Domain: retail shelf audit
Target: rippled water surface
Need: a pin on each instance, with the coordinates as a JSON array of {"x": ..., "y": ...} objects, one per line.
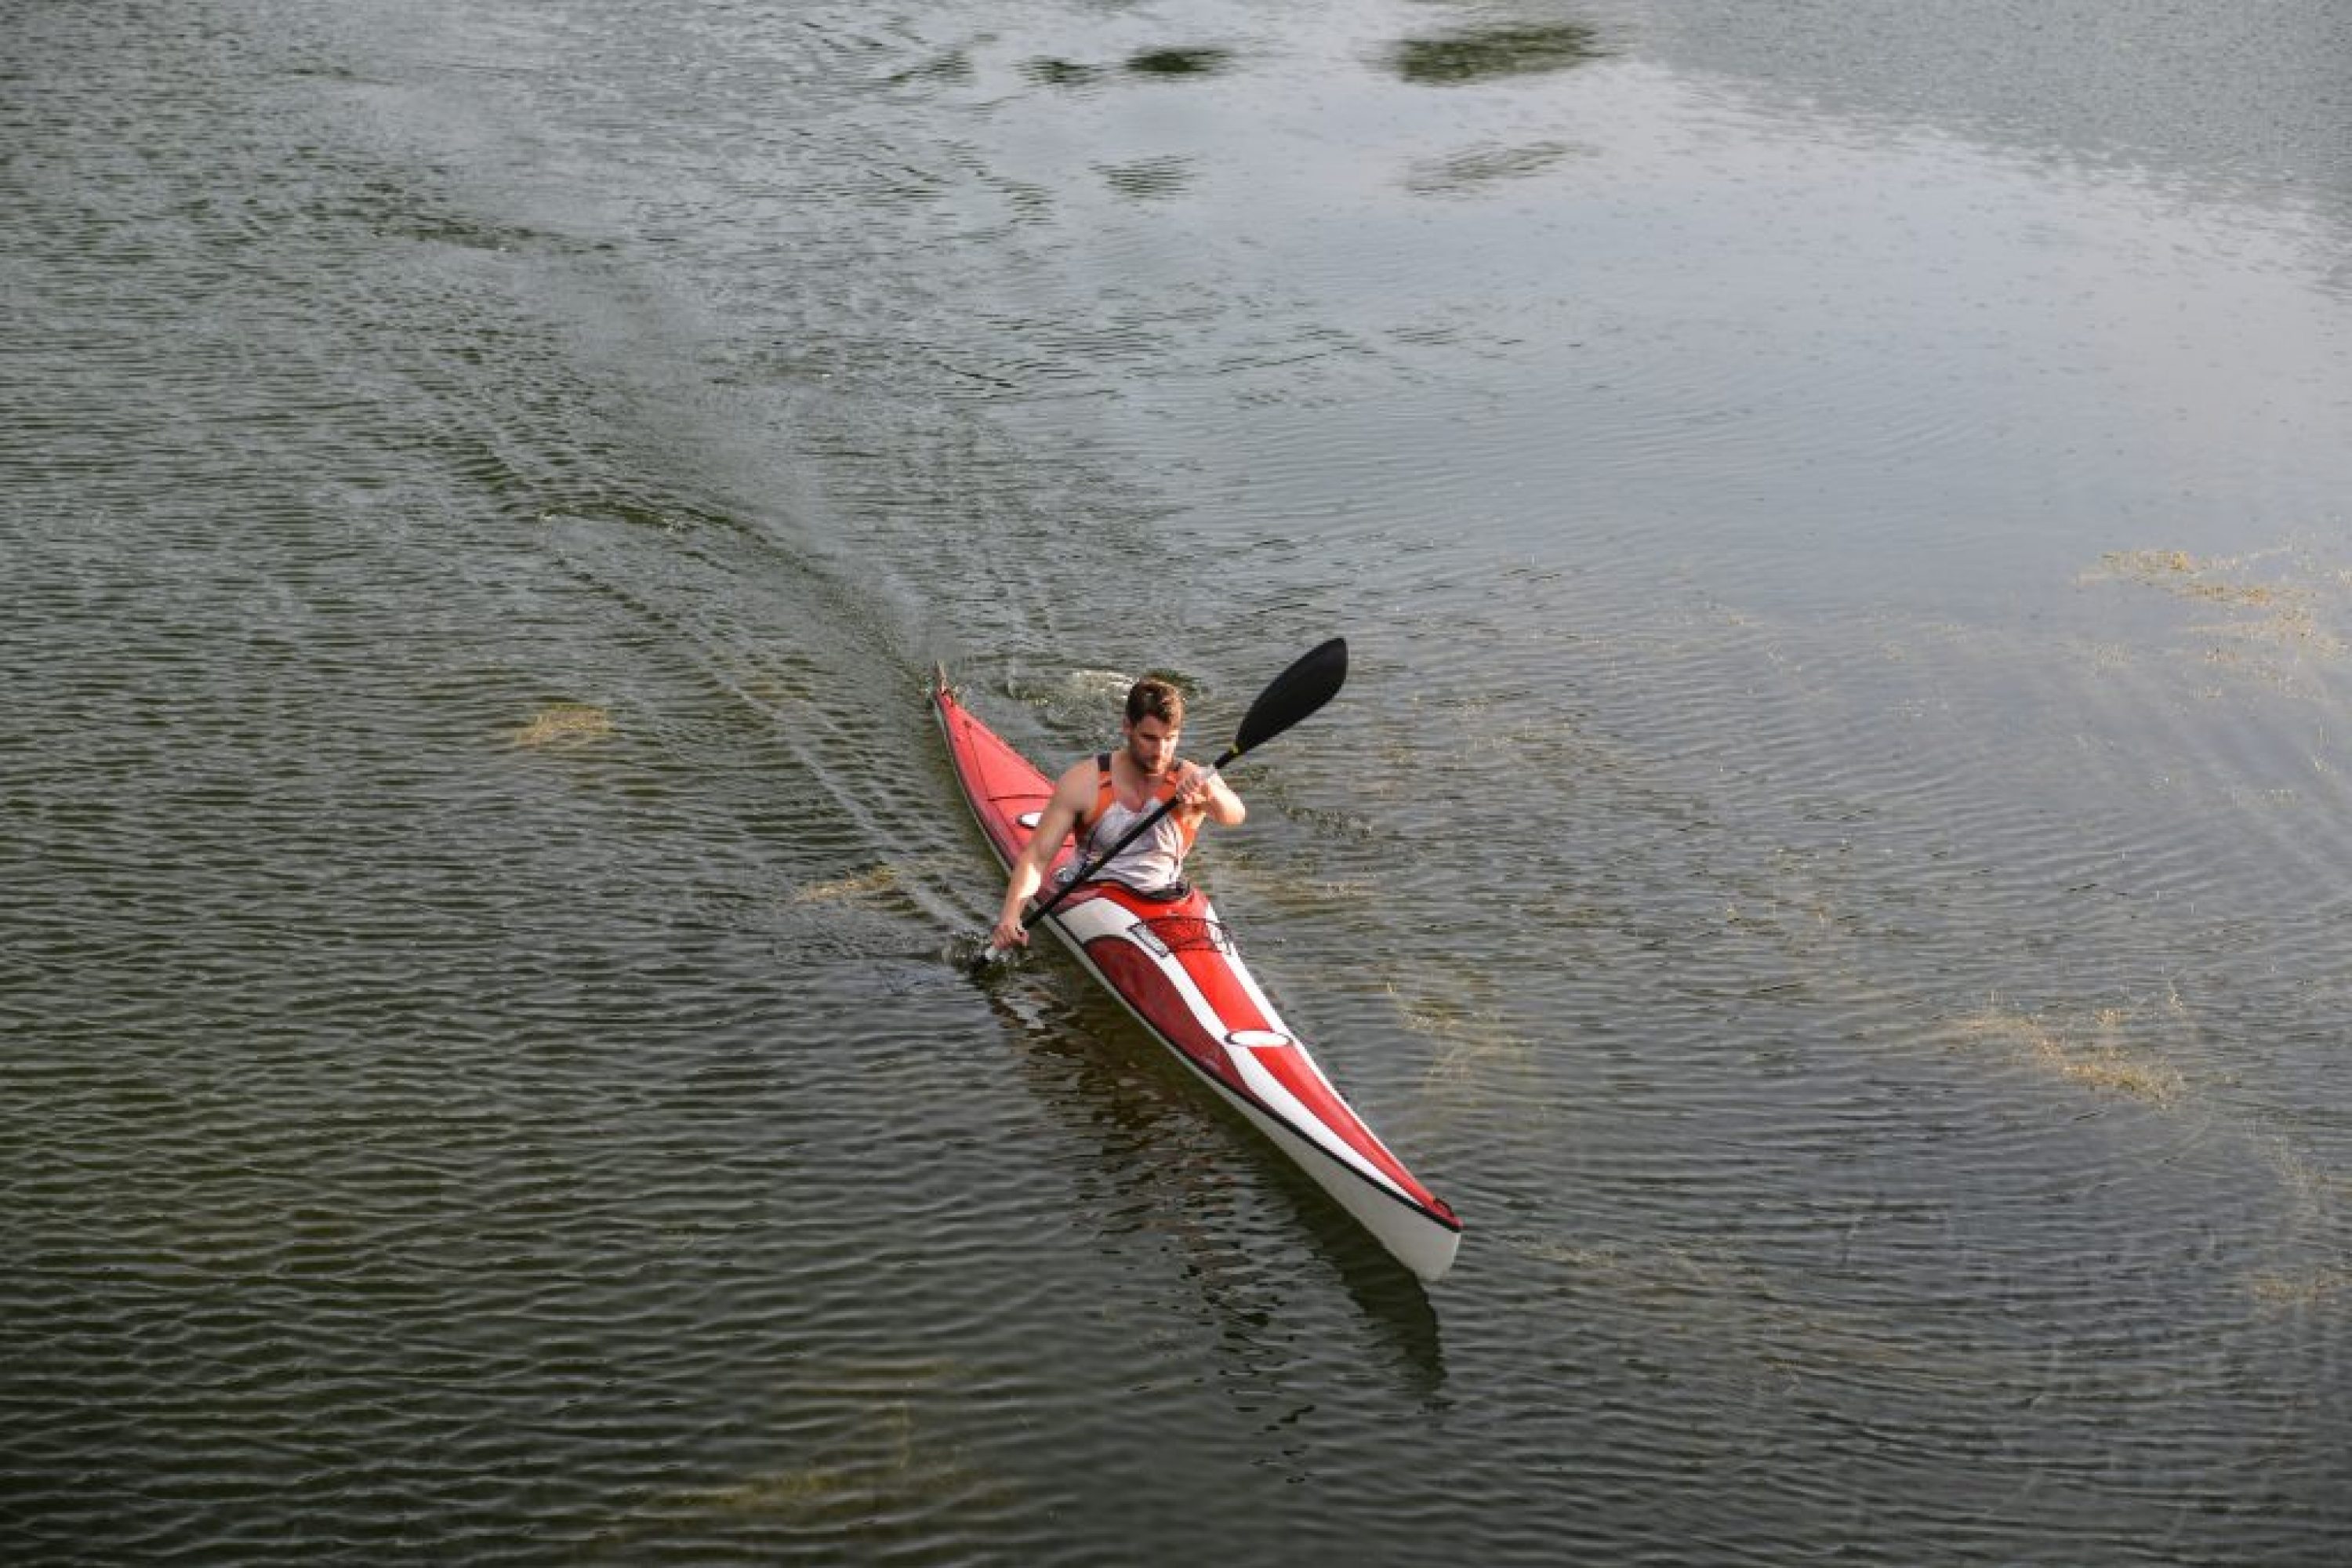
[{"x": 1833, "y": 855}]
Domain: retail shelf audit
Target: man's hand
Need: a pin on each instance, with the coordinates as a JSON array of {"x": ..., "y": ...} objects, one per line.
[{"x": 1195, "y": 787}]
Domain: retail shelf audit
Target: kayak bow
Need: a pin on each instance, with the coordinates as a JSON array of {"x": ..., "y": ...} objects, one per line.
[{"x": 1174, "y": 966}]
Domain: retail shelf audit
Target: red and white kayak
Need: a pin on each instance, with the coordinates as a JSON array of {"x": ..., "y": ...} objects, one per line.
[{"x": 1175, "y": 967}]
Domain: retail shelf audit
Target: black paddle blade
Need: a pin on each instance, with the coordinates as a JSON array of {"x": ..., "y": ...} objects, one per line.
[{"x": 1311, "y": 682}]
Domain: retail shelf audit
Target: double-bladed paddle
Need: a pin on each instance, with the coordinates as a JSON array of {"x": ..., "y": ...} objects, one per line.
[{"x": 1313, "y": 679}]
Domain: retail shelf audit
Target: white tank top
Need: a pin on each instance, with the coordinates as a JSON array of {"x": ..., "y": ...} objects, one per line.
[
  {"x": 1152, "y": 862},
  {"x": 1155, "y": 861}
]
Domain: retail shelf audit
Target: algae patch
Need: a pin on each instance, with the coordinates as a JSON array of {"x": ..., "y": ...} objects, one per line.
[
  {"x": 2098, "y": 1053},
  {"x": 565, "y": 724},
  {"x": 2294, "y": 1292},
  {"x": 1480, "y": 1060},
  {"x": 2270, "y": 621},
  {"x": 879, "y": 879},
  {"x": 870, "y": 1442}
]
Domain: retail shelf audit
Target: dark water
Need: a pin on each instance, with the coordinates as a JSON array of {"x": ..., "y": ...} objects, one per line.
[{"x": 1834, "y": 855}]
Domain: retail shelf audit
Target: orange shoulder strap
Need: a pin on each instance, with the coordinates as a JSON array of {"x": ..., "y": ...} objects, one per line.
[{"x": 1104, "y": 792}]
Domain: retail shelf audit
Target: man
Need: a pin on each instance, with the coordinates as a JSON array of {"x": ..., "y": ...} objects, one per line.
[{"x": 1101, "y": 797}]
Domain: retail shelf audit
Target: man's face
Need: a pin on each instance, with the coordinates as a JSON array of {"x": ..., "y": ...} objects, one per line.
[{"x": 1151, "y": 741}]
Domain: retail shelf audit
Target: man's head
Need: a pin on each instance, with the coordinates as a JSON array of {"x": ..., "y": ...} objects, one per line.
[
  {"x": 1153, "y": 698},
  {"x": 1155, "y": 716}
]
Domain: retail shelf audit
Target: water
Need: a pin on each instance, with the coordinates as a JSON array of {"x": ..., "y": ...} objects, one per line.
[{"x": 1831, "y": 856}]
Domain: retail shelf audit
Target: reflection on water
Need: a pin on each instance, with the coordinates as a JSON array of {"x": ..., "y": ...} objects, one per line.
[
  {"x": 1172, "y": 1169},
  {"x": 1180, "y": 62},
  {"x": 1150, "y": 177},
  {"x": 1061, "y": 73},
  {"x": 1465, "y": 173},
  {"x": 1163, "y": 64},
  {"x": 1485, "y": 54}
]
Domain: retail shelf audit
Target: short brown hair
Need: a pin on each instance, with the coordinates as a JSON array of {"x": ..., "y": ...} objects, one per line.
[{"x": 1156, "y": 699}]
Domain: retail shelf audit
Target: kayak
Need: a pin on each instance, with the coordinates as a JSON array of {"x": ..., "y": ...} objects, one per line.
[{"x": 1174, "y": 966}]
